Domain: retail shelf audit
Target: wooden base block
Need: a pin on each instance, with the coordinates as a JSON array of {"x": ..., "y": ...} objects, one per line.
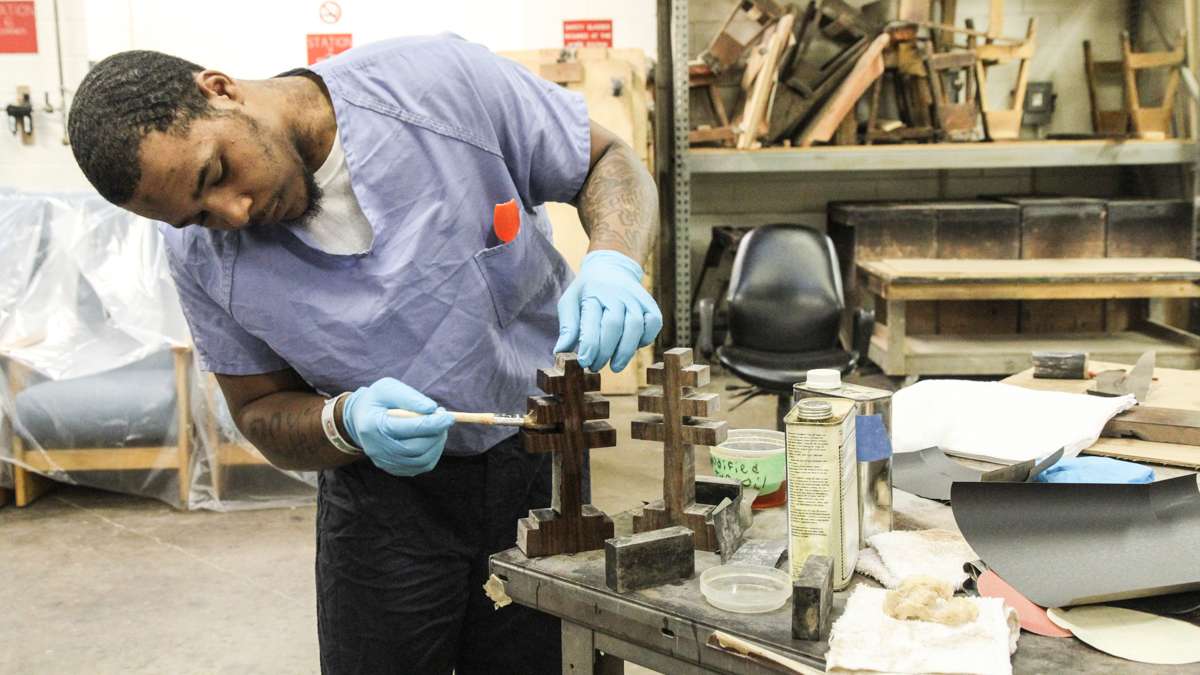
[
  {"x": 712, "y": 524},
  {"x": 812, "y": 599},
  {"x": 545, "y": 532},
  {"x": 649, "y": 559}
]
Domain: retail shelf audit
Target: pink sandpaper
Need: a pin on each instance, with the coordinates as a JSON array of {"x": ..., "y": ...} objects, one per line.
[{"x": 1033, "y": 618}]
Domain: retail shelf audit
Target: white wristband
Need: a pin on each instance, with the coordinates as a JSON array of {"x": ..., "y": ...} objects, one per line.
[{"x": 329, "y": 424}]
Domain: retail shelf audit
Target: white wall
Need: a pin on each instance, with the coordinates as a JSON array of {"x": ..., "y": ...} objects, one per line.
[
  {"x": 48, "y": 163},
  {"x": 259, "y": 39}
]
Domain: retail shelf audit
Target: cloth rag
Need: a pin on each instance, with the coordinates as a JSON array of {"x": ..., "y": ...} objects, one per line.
[
  {"x": 1096, "y": 470},
  {"x": 894, "y": 556},
  {"x": 997, "y": 422},
  {"x": 865, "y": 638}
]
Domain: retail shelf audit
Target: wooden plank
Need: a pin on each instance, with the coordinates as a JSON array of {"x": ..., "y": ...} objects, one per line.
[
  {"x": 1031, "y": 290},
  {"x": 104, "y": 459},
  {"x": 1006, "y": 354},
  {"x": 1087, "y": 270},
  {"x": 1160, "y": 425}
]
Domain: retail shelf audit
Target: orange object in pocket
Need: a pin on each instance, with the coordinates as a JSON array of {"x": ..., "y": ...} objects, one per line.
[{"x": 506, "y": 221}]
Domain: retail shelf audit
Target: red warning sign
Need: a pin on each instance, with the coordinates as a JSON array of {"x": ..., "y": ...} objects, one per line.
[
  {"x": 587, "y": 33},
  {"x": 18, "y": 28},
  {"x": 324, "y": 45}
]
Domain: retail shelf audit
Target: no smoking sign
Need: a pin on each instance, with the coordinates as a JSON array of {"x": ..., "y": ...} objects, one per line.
[{"x": 330, "y": 11}]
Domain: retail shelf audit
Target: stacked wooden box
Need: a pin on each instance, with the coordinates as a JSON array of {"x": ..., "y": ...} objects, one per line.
[{"x": 1012, "y": 227}]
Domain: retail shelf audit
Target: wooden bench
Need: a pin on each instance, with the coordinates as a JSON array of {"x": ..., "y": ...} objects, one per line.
[{"x": 895, "y": 282}]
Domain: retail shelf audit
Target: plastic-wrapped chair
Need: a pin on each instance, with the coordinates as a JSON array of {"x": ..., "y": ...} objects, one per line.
[
  {"x": 133, "y": 418},
  {"x": 785, "y": 307}
]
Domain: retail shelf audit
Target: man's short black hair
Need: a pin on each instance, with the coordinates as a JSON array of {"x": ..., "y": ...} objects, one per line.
[{"x": 123, "y": 98}]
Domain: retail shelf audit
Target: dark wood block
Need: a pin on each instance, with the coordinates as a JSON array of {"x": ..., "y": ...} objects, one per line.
[
  {"x": 1060, "y": 365},
  {"x": 978, "y": 229},
  {"x": 649, "y": 559},
  {"x": 542, "y": 441},
  {"x": 712, "y": 489},
  {"x": 650, "y": 400},
  {"x": 1061, "y": 227},
  {"x": 727, "y": 528},
  {"x": 1149, "y": 228},
  {"x": 549, "y": 410},
  {"x": 546, "y": 532},
  {"x": 599, "y": 434},
  {"x": 551, "y": 380},
  {"x": 695, "y": 375},
  {"x": 812, "y": 599},
  {"x": 696, "y": 517},
  {"x": 695, "y": 430}
]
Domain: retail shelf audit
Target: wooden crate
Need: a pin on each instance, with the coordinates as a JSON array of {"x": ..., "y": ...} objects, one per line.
[
  {"x": 866, "y": 231},
  {"x": 1148, "y": 228},
  {"x": 1061, "y": 227}
]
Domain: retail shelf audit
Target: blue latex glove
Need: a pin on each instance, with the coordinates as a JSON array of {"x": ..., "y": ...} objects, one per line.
[
  {"x": 607, "y": 312},
  {"x": 1095, "y": 470},
  {"x": 401, "y": 447}
]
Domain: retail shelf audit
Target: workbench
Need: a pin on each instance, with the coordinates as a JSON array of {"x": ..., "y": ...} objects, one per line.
[
  {"x": 897, "y": 282},
  {"x": 666, "y": 628}
]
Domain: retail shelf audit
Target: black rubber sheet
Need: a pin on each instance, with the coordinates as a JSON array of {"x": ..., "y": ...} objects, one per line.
[
  {"x": 929, "y": 473},
  {"x": 1063, "y": 544}
]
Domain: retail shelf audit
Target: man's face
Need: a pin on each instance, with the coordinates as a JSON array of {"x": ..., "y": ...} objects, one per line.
[{"x": 227, "y": 172}]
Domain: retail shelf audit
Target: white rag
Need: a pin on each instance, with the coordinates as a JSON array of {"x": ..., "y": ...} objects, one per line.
[
  {"x": 894, "y": 556},
  {"x": 998, "y": 422},
  {"x": 865, "y": 638}
]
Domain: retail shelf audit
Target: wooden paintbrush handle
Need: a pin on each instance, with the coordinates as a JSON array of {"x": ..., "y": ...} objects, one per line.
[{"x": 460, "y": 417}]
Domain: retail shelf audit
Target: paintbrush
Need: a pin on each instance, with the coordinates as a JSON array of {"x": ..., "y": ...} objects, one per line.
[{"x": 490, "y": 419}]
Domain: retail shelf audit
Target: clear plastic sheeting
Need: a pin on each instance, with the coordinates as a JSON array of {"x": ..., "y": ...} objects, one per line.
[{"x": 99, "y": 385}]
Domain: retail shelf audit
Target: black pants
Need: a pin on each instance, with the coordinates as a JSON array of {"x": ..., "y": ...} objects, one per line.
[{"x": 401, "y": 564}]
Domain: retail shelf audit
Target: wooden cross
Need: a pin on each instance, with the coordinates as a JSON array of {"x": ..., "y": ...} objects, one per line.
[
  {"x": 579, "y": 418},
  {"x": 676, "y": 423}
]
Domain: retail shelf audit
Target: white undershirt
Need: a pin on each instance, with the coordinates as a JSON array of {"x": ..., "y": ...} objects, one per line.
[{"x": 340, "y": 228}]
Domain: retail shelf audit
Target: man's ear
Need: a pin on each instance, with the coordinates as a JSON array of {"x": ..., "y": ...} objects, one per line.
[{"x": 216, "y": 85}]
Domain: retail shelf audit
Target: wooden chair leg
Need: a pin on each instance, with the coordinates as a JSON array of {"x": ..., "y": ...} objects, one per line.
[
  {"x": 184, "y": 417},
  {"x": 27, "y": 485}
]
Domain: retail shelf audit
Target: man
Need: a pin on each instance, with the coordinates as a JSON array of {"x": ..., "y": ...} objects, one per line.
[{"x": 330, "y": 234}]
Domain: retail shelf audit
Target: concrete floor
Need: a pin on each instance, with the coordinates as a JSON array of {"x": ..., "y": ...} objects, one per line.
[{"x": 104, "y": 583}]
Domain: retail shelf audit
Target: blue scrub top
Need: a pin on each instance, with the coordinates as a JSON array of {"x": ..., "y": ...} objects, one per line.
[{"x": 436, "y": 131}]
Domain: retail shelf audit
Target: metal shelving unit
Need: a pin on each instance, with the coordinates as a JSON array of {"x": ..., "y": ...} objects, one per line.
[
  {"x": 677, "y": 163},
  {"x": 1013, "y": 154}
]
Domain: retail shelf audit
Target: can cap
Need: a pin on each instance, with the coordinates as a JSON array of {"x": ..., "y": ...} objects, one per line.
[
  {"x": 823, "y": 378},
  {"x": 813, "y": 409}
]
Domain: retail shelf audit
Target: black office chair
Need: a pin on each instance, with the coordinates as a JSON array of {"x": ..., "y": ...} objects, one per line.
[{"x": 785, "y": 310}]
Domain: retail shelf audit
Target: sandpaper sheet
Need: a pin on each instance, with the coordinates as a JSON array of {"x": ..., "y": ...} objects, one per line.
[
  {"x": 1063, "y": 544},
  {"x": 1131, "y": 635},
  {"x": 929, "y": 473}
]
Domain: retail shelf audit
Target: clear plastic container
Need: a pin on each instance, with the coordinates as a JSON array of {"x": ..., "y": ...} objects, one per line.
[
  {"x": 745, "y": 589},
  {"x": 756, "y": 459}
]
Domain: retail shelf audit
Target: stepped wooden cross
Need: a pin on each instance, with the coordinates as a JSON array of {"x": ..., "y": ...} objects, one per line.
[
  {"x": 577, "y": 419},
  {"x": 677, "y": 423}
]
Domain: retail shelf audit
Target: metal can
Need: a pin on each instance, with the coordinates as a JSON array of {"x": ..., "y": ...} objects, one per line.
[
  {"x": 874, "y": 468},
  {"x": 822, "y": 485}
]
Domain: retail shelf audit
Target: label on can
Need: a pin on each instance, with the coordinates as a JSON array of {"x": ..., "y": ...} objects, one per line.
[{"x": 822, "y": 467}]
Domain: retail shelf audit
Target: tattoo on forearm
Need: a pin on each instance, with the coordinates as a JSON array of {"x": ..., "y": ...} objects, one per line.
[
  {"x": 618, "y": 205},
  {"x": 290, "y": 434}
]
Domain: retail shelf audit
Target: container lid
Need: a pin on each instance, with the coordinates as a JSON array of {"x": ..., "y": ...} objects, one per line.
[
  {"x": 811, "y": 409},
  {"x": 746, "y": 589},
  {"x": 823, "y": 378}
]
